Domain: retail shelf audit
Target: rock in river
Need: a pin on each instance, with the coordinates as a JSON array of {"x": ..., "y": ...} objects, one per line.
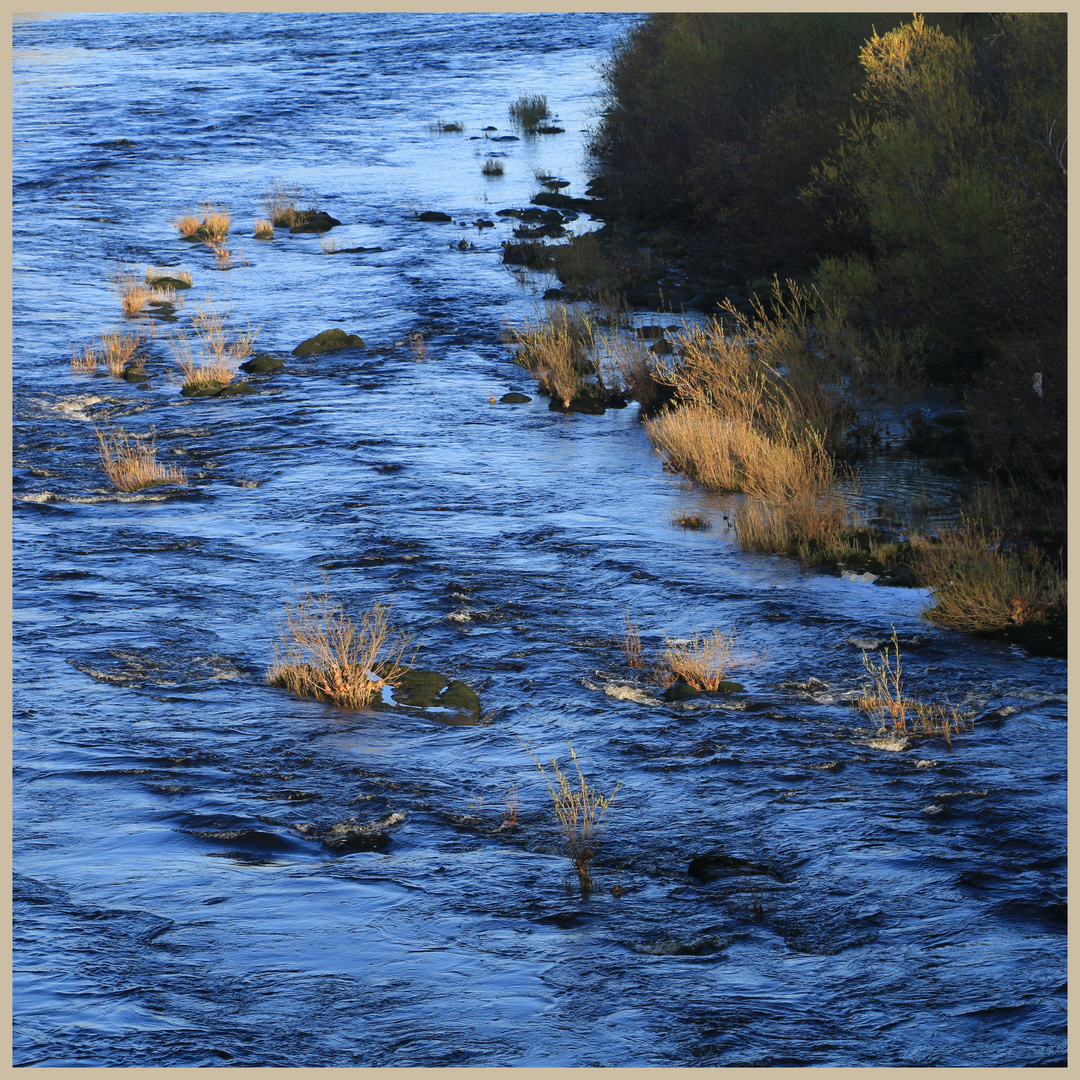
[{"x": 328, "y": 341}]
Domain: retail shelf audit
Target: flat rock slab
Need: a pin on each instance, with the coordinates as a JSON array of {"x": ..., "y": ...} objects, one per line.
[{"x": 328, "y": 341}]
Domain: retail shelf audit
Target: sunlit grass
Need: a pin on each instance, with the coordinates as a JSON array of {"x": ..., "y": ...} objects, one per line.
[
  {"x": 131, "y": 463},
  {"x": 326, "y": 654}
]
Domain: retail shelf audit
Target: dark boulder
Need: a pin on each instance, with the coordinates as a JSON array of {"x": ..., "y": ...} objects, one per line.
[
  {"x": 328, "y": 341},
  {"x": 237, "y": 389},
  {"x": 257, "y": 365},
  {"x": 681, "y": 691},
  {"x": 515, "y": 399},
  {"x": 433, "y": 215},
  {"x": 314, "y": 221}
]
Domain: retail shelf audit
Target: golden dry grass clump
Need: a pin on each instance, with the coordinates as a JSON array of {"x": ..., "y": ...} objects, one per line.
[
  {"x": 580, "y": 812},
  {"x": 556, "y": 348},
  {"x": 893, "y": 711},
  {"x": 213, "y": 355},
  {"x": 264, "y": 229},
  {"x": 131, "y": 463},
  {"x": 630, "y": 642},
  {"x": 210, "y": 224},
  {"x": 114, "y": 349},
  {"x": 703, "y": 662},
  {"x": 281, "y": 204},
  {"x": 325, "y": 654},
  {"x": 979, "y": 584}
]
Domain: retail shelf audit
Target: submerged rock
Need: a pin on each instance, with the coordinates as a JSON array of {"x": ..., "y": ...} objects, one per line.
[
  {"x": 237, "y": 389},
  {"x": 257, "y": 365},
  {"x": 328, "y": 341},
  {"x": 168, "y": 283},
  {"x": 419, "y": 689},
  {"x": 515, "y": 399},
  {"x": 433, "y": 215}
]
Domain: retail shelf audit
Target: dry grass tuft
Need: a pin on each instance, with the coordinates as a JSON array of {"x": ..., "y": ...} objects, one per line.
[
  {"x": 580, "y": 812},
  {"x": 131, "y": 463},
  {"x": 211, "y": 228},
  {"x": 734, "y": 454},
  {"x": 631, "y": 642},
  {"x": 329, "y": 656},
  {"x": 328, "y": 244},
  {"x": 218, "y": 348},
  {"x": 264, "y": 229},
  {"x": 492, "y": 167},
  {"x": 117, "y": 349},
  {"x": 134, "y": 294},
  {"x": 556, "y": 350},
  {"x": 699, "y": 522},
  {"x": 114, "y": 349},
  {"x": 980, "y": 585},
  {"x": 84, "y": 359},
  {"x": 704, "y": 662},
  {"x": 281, "y": 202},
  {"x": 802, "y": 524},
  {"x": 886, "y": 702}
]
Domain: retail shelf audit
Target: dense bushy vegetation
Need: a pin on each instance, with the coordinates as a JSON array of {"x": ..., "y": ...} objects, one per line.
[{"x": 916, "y": 170}]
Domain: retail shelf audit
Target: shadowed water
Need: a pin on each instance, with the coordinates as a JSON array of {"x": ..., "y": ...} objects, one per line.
[{"x": 177, "y": 901}]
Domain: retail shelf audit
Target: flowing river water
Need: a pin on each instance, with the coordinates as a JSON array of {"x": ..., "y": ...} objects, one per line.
[{"x": 177, "y": 901}]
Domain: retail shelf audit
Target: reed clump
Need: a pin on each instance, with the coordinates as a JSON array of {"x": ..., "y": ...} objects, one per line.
[
  {"x": 134, "y": 294},
  {"x": 211, "y": 356},
  {"x": 981, "y": 585},
  {"x": 580, "y": 809},
  {"x": 326, "y": 654},
  {"x": 894, "y": 711},
  {"x": 114, "y": 349},
  {"x": 281, "y": 203},
  {"x": 131, "y": 463},
  {"x": 492, "y": 167},
  {"x": 556, "y": 348},
  {"x": 528, "y": 110},
  {"x": 264, "y": 229},
  {"x": 703, "y": 662},
  {"x": 630, "y": 642},
  {"x": 210, "y": 224}
]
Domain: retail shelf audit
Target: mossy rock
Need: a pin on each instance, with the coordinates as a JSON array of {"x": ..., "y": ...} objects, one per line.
[
  {"x": 433, "y": 215},
  {"x": 257, "y": 365},
  {"x": 460, "y": 697},
  {"x": 169, "y": 283},
  {"x": 328, "y": 341},
  {"x": 727, "y": 686},
  {"x": 662, "y": 348},
  {"x": 420, "y": 688},
  {"x": 237, "y": 389},
  {"x": 134, "y": 375},
  {"x": 205, "y": 389},
  {"x": 515, "y": 399},
  {"x": 681, "y": 691}
]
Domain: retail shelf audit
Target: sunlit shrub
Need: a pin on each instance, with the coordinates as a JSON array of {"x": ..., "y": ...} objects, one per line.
[{"x": 325, "y": 654}]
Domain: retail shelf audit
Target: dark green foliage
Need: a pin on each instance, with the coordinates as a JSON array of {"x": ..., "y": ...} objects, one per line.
[{"x": 916, "y": 169}]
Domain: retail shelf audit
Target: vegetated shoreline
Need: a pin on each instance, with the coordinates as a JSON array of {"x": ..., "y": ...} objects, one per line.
[{"x": 1001, "y": 573}]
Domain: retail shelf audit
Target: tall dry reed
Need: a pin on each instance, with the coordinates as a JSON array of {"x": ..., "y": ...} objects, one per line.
[
  {"x": 325, "y": 654},
  {"x": 131, "y": 463}
]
